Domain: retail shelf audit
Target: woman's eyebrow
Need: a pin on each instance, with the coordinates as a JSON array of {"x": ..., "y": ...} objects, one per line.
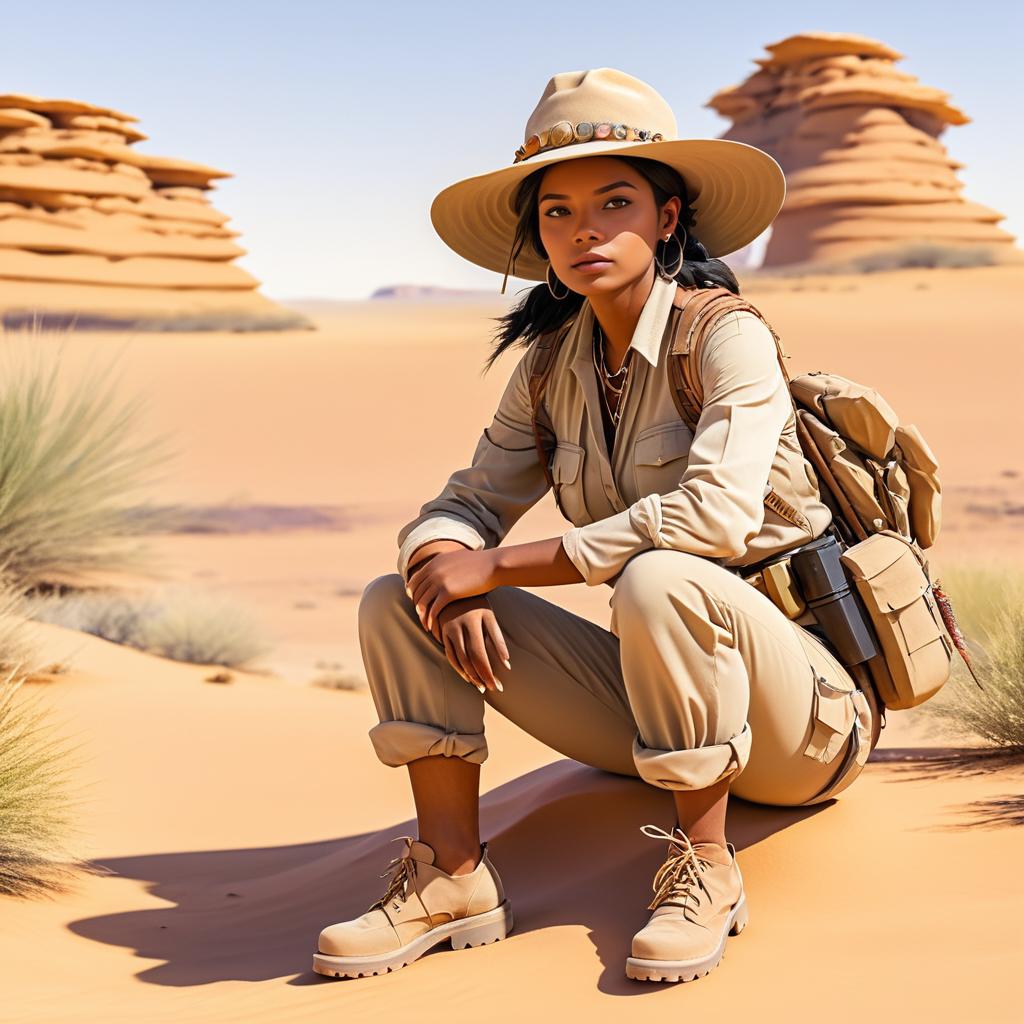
[{"x": 597, "y": 191}]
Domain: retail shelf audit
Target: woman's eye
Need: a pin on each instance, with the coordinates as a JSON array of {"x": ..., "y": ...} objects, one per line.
[{"x": 615, "y": 199}]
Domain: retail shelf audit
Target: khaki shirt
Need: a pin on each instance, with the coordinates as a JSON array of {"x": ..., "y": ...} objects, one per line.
[{"x": 661, "y": 486}]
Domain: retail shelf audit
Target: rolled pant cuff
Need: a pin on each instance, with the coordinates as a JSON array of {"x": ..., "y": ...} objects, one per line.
[
  {"x": 693, "y": 769},
  {"x": 400, "y": 742}
]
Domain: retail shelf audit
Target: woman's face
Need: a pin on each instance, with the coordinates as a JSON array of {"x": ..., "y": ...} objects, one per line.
[{"x": 601, "y": 206}]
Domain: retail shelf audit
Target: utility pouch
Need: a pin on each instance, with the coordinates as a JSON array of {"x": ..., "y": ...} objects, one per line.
[{"x": 890, "y": 574}]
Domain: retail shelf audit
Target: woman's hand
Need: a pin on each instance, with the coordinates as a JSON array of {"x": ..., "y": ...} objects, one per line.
[
  {"x": 465, "y": 627},
  {"x": 448, "y": 577}
]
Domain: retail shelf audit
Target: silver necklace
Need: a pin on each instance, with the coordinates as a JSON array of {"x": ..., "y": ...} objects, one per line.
[{"x": 608, "y": 378}]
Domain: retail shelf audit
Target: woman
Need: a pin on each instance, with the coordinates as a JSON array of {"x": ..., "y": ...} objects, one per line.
[{"x": 702, "y": 684}]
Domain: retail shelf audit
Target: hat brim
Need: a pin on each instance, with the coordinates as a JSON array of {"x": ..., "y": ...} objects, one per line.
[{"x": 736, "y": 191}]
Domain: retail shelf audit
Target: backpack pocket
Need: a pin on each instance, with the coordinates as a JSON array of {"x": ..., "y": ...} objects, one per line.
[
  {"x": 921, "y": 468},
  {"x": 890, "y": 577}
]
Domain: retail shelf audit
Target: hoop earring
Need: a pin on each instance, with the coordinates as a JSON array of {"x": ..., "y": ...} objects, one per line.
[
  {"x": 547, "y": 278},
  {"x": 679, "y": 261}
]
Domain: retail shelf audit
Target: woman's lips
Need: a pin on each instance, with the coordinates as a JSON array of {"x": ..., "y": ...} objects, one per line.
[{"x": 593, "y": 266}]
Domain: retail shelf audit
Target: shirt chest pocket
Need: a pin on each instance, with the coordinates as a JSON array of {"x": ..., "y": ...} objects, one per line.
[
  {"x": 660, "y": 458},
  {"x": 567, "y": 474}
]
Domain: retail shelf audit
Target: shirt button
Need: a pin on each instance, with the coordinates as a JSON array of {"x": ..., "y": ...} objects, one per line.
[{"x": 659, "y": 458}]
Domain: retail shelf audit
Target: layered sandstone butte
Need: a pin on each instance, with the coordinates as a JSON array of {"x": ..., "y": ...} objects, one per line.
[
  {"x": 859, "y": 142},
  {"x": 94, "y": 232}
]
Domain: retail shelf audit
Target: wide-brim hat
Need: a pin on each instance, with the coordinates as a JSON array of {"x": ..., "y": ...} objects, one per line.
[{"x": 736, "y": 190}]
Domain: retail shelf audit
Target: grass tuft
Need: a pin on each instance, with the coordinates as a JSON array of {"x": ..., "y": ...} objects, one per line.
[
  {"x": 69, "y": 458},
  {"x": 36, "y": 797},
  {"x": 174, "y": 622},
  {"x": 989, "y": 604}
]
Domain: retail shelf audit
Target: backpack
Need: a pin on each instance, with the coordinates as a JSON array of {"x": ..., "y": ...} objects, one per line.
[{"x": 877, "y": 476}]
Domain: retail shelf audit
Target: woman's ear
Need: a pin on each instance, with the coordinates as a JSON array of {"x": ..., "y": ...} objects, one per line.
[{"x": 669, "y": 216}]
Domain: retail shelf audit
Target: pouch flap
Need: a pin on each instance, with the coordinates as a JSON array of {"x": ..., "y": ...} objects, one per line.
[
  {"x": 859, "y": 413},
  {"x": 867, "y": 558},
  {"x": 890, "y": 570}
]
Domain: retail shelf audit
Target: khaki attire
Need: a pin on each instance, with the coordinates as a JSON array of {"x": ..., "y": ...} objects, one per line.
[{"x": 700, "y": 676}]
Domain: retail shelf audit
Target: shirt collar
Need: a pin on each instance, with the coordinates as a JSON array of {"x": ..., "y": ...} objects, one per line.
[{"x": 650, "y": 328}]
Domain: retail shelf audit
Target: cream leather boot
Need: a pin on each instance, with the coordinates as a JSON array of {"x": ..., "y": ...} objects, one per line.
[
  {"x": 421, "y": 907},
  {"x": 699, "y": 901}
]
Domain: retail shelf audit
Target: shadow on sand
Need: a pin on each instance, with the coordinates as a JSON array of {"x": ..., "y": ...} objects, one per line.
[{"x": 565, "y": 837}]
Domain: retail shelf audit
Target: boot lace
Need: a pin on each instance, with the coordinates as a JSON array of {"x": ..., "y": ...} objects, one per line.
[
  {"x": 679, "y": 878},
  {"x": 405, "y": 873}
]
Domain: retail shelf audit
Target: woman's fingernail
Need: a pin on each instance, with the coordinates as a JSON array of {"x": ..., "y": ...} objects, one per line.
[
  {"x": 482, "y": 689},
  {"x": 497, "y": 682},
  {"x": 508, "y": 664}
]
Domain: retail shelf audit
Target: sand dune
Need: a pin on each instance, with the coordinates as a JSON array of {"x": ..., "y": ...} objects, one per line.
[{"x": 236, "y": 820}]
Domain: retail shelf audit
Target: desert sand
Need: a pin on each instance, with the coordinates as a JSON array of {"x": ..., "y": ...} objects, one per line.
[{"x": 233, "y": 821}]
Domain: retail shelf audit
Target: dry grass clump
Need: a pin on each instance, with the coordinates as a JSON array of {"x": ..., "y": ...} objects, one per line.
[
  {"x": 989, "y": 604},
  {"x": 69, "y": 460},
  {"x": 174, "y": 622},
  {"x": 334, "y": 676},
  {"x": 36, "y": 798},
  {"x": 928, "y": 255}
]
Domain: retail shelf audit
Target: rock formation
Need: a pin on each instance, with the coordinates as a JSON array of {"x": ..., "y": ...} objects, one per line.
[
  {"x": 94, "y": 232},
  {"x": 858, "y": 140}
]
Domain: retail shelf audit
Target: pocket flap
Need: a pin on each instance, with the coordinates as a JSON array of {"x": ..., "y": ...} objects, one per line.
[
  {"x": 666, "y": 445},
  {"x": 565, "y": 465},
  {"x": 888, "y": 566},
  {"x": 834, "y": 717}
]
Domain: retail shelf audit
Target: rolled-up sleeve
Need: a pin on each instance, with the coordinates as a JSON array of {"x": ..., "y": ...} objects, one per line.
[
  {"x": 480, "y": 503},
  {"x": 718, "y": 506}
]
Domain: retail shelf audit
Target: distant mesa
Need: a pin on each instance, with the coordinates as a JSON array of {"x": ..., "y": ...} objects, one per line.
[
  {"x": 95, "y": 233},
  {"x": 420, "y": 292},
  {"x": 858, "y": 141}
]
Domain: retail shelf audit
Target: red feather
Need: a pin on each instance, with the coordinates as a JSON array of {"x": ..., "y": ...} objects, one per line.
[{"x": 953, "y": 628}]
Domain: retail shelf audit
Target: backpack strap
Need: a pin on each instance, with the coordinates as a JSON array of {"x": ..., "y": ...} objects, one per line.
[
  {"x": 546, "y": 347},
  {"x": 699, "y": 309}
]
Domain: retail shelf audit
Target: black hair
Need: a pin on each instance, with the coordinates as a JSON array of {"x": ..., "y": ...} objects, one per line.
[{"x": 540, "y": 312}]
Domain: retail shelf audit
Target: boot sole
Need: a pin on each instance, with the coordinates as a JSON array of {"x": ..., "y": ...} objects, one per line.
[
  {"x": 477, "y": 930},
  {"x": 688, "y": 970}
]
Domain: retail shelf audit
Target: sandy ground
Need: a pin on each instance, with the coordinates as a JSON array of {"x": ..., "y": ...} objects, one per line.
[{"x": 236, "y": 820}]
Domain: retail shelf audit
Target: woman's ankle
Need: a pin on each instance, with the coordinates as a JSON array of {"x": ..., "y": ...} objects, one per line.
[{"x": 455, "y": 859}]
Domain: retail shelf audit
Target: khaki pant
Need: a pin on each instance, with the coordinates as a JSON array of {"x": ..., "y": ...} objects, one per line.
[{"x": 700, "y": 678}]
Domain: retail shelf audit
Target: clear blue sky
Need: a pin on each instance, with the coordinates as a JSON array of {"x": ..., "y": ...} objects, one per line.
[{"x": 422, "y": 94}]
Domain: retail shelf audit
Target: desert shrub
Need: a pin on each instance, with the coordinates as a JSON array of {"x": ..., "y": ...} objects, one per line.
[
  {"x": 36, "y": 806},
  {"x": 36, "y": 799},
  {"x": 69, "y": 460},
  {"x": 989, "y": 605},
  {"x": 16, "y": 649},
  {"x": 924, "y": 254},
  {"x": 175, "y": 622},
  {"x": 333, "y": 676},
  {"x": 237, "y": 321},
  {"x": 916, "y": 254}
]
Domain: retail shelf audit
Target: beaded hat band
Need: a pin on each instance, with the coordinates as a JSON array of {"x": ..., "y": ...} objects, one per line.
[{"x": 565, "y": 132}]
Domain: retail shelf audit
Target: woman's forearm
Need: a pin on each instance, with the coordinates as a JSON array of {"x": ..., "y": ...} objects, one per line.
[
  {"x": 427, "y": 551},
  {"x": 541, "y": 563}
]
